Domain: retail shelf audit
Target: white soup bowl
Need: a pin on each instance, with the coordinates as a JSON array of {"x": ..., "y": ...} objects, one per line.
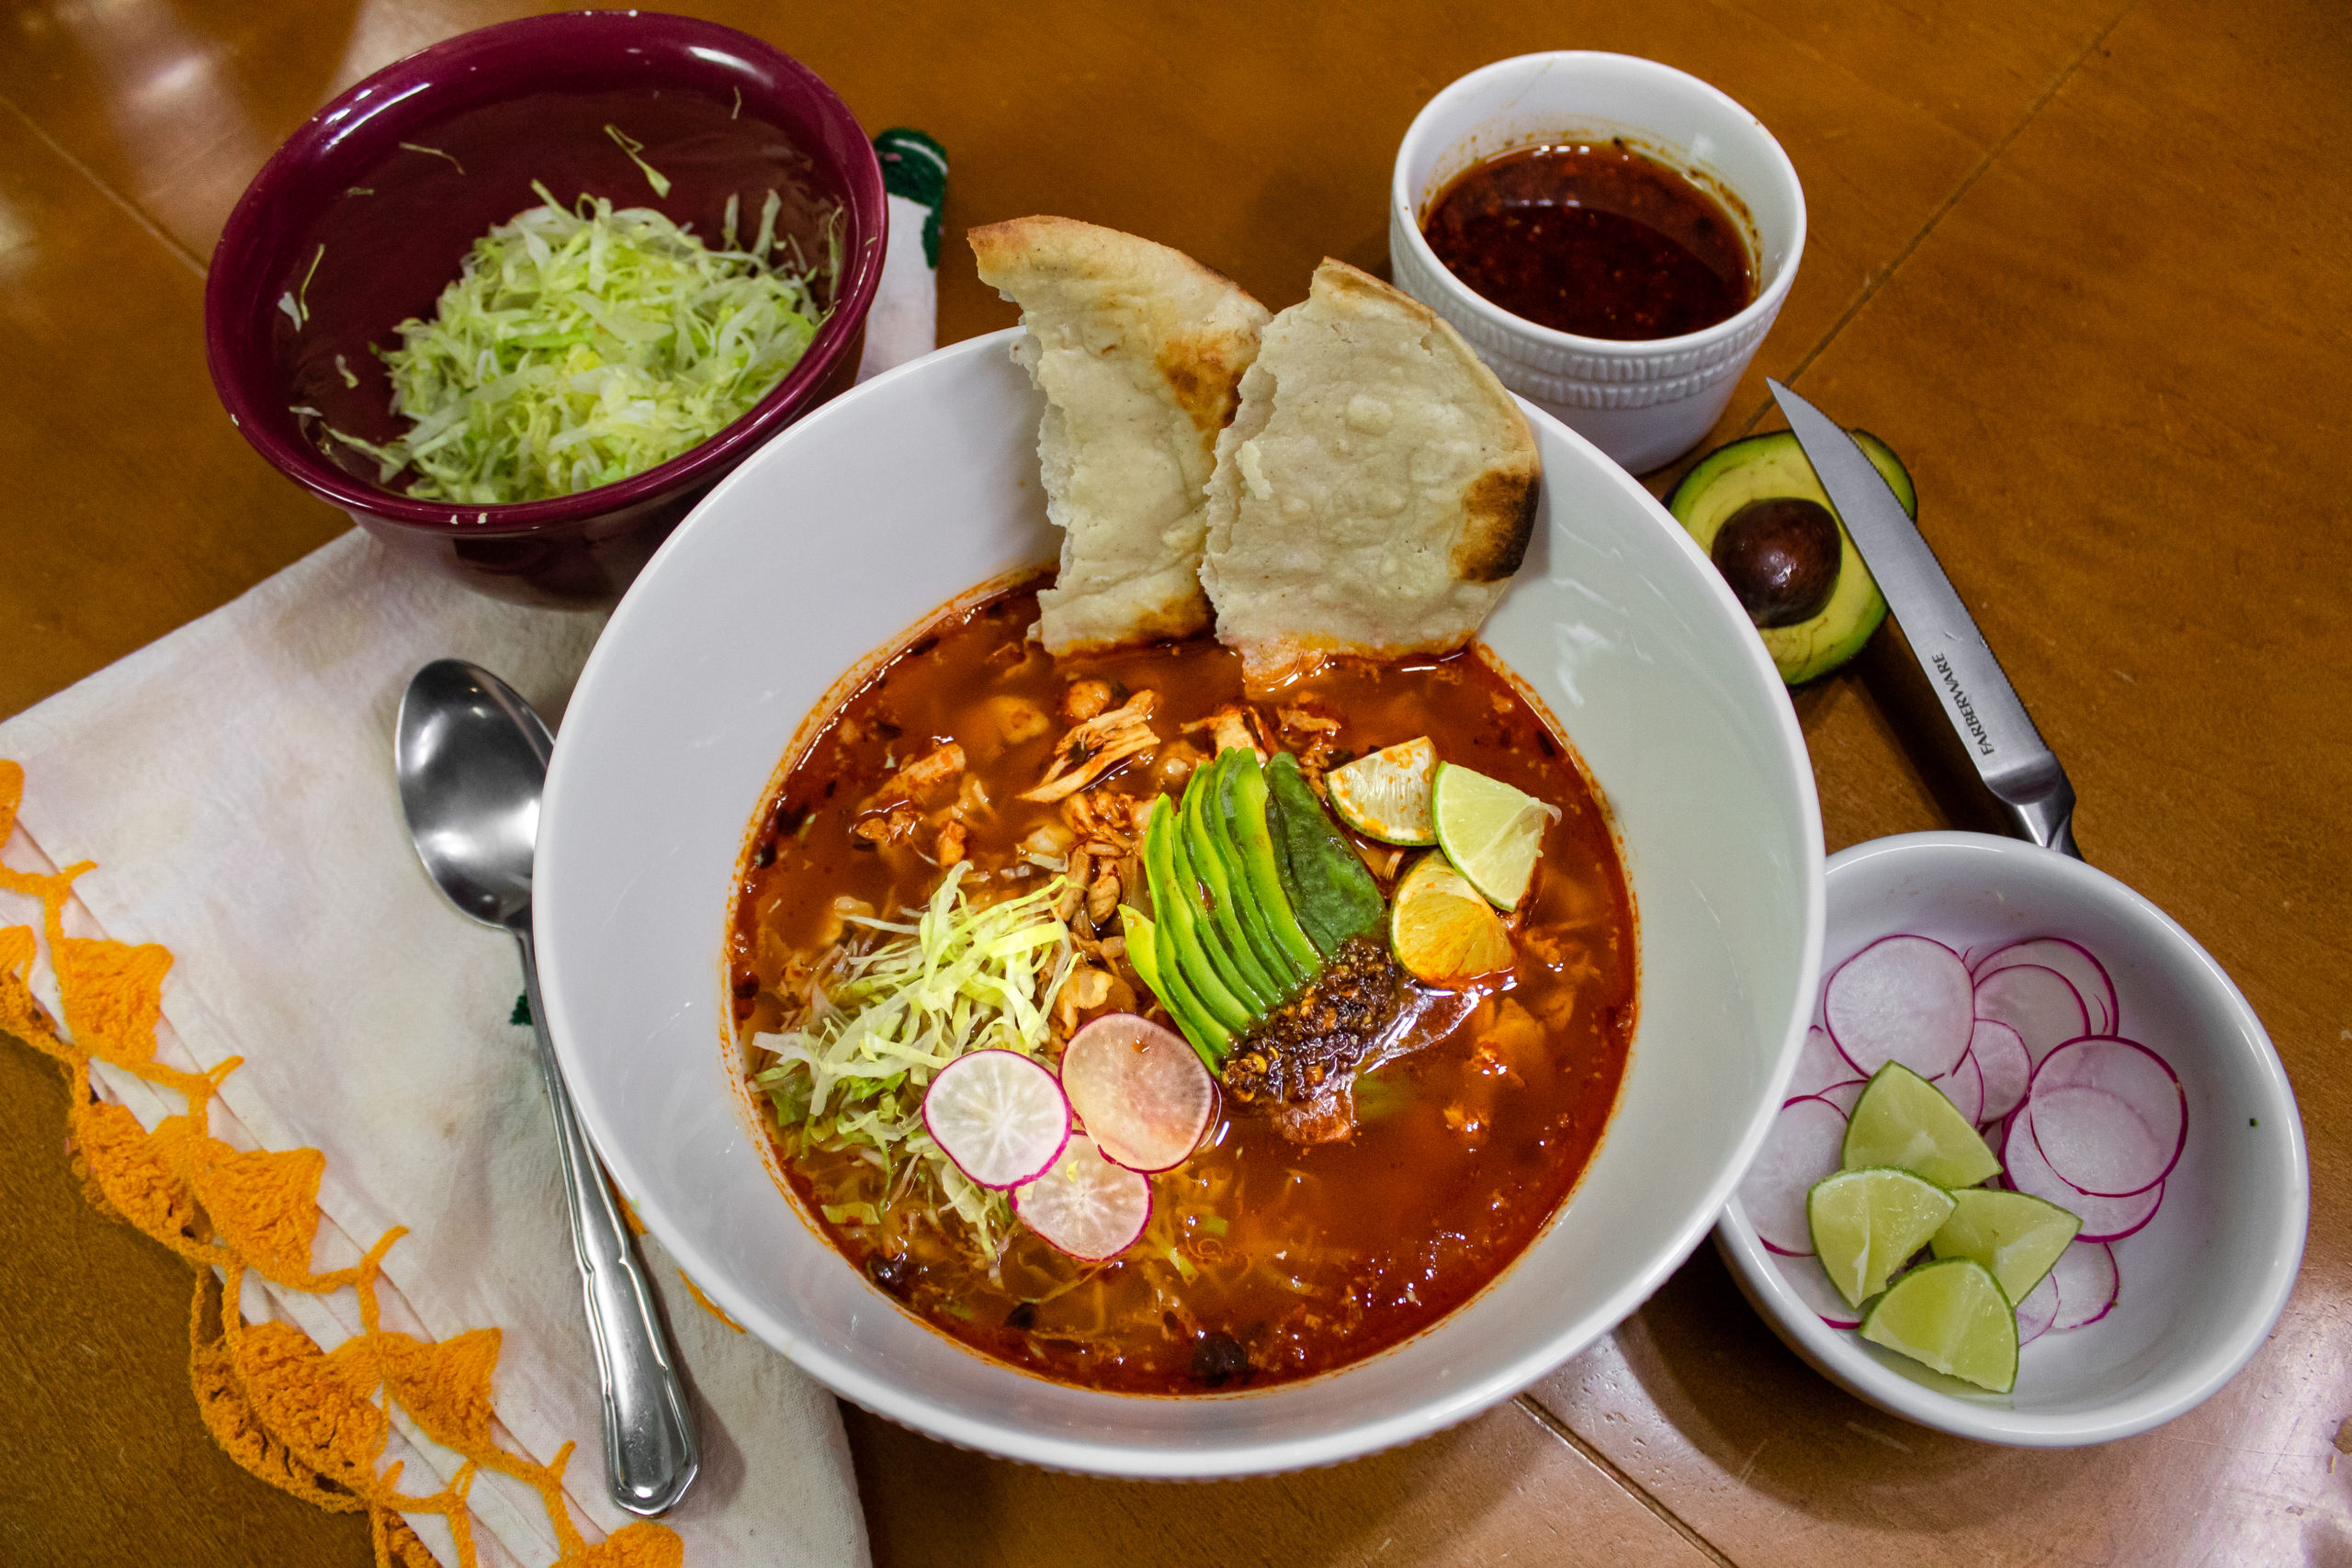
[{"x": 854, "y": 526}]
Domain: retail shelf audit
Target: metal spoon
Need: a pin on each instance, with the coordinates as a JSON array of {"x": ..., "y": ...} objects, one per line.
[{"x": 471, "y": 756}]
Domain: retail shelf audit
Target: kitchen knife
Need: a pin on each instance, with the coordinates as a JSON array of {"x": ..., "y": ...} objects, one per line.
[{"x": 2010, "y": 756}]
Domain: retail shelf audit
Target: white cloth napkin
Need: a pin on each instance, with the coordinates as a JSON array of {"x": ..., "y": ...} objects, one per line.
[{"x": 234, "y": 781}]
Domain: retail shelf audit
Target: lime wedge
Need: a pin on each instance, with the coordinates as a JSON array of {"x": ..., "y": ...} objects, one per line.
[
  {"x": 2015, "y": 1235},
  {"x": 1444, "y": 932},
  {"x": 1904, "y": 1120},
  {"x": 1867, "y": 1224},
  {"x": 1385, "y": 795},
  {"x": 1953, "y": 1317},
  {"x": 1491, "y": 832}
]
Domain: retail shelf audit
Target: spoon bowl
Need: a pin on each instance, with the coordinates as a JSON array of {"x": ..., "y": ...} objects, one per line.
[{"x": 472, "y": 758}]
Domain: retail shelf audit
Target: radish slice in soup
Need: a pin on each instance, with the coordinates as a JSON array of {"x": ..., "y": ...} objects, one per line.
[
  {"x": 2104, "y": 1219},
  {"x": 1819, "y": 1066},
  {"x": 2038, "y": 1003},
  {"x": 2002, "y": 1063},
  {"x": 1000, "y": 1116},
  {"x": 1139, "y": 1088},
  {"x": 1800, "y": 1150},
  {"x": 1903, "y": 999},
  {"x": 1085, "y": 1205},
  {"x": 2070, "y": 960},
  {"x": 2088, "y": 1285},
  {"x": 2039, "y": 1310},
  {"x": 2108, "y": 1115}
]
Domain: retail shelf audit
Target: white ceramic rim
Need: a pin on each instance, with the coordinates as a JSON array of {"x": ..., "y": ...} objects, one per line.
[
  {"x": 1840, "y": 1354},
  {"x": 1446, "y": 1406},
  {"x": 1404, "y": 216}
]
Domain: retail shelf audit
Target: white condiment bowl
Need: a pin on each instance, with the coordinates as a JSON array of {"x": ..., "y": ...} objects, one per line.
[
  {"x": 857, "y": 524},
  {"x": 1646, "y": 402},
  {"x": 2207, "y": 1278}
]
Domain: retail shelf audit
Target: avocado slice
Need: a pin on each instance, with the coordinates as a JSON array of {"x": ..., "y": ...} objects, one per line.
[
  {"x": 1257, "y": 939},
  {"x": 1329, "y": 887},
  {"x": 1201, "y": 876},
  {"x": 1242, "y": 795},
  {"x": 1772, "y": 467},
  {"x": 1208, "y": 1039},
  {"x": 1177, "y": 901},
  {"x": 1216, "y": 865}
]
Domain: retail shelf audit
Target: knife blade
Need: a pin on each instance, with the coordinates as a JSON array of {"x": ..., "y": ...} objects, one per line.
[{"x": 2009, "y": 754}]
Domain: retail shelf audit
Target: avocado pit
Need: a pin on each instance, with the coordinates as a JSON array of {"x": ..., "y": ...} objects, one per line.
[{"x": 1779, "y": 555}]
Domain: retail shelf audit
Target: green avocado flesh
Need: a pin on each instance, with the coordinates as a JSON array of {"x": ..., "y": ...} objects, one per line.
[
  {"x": 1229, "y": 945},
  {"x": 1250, "y": 978},
  {"x": 1183, "y": 934},
  {"x": 1330, "y": 888},
  {"x": 1770, "y": 466},
  {"x": 1242, "y": 792},
  {"x": 1208, "y": 794}
]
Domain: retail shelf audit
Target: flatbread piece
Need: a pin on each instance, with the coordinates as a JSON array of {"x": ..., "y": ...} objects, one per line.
[
  {"x": 1374, "y": 493},
  {"x": 1139, "y": 350}
]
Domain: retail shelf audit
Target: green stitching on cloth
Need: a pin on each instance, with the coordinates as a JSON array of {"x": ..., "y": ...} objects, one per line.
[{"x": 914, "y": 165}]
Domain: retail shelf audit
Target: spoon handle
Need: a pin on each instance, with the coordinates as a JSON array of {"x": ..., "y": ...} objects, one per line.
[{"x": 650, "y": 1452}]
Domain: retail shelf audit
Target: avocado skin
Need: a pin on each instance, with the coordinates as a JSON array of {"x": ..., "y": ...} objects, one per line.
[
  {"x": 1243, "y": 795},
  {"x": 1176, "y": 900},
  {"x": 1761, "y": 467},
  {"x": 1329, "y": 886}
]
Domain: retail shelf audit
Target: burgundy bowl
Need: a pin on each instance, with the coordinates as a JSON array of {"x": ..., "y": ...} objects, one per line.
[{"x": 399, "y": 176}]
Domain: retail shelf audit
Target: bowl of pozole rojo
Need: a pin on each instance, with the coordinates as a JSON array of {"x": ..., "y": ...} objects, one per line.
[
  {"x": 516, "y": 301},
  {"x": 1297, "y": 1277}
]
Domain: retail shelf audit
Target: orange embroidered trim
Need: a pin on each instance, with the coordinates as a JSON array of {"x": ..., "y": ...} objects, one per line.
[{"x": 311, "y": 1422}]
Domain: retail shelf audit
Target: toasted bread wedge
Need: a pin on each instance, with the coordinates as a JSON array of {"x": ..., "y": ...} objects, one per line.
[
  {"x": 1375, "y": 491},
  {"x": 1139, "y": 350}
]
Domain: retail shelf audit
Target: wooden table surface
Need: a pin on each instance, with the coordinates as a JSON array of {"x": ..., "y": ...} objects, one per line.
[{"x": 2082, "y": 262}]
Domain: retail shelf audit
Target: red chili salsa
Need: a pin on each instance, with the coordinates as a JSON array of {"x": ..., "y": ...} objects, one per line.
[
  {"x": 1265, "y": 1258},
  {"x": 1592, "y": 238}
]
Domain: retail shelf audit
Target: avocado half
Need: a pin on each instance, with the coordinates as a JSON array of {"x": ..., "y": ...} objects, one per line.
[{"x": 1772, "y": 466}]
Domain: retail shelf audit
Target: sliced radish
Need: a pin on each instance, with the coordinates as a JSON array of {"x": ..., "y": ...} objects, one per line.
[
  {"x": 2003, "y": 1064},
  {"x": 1903, "y": 999},
  {"x": 1843, "y": 1095},
  {"x": 1085, "y": 1205},
  {"x": 2039, "y": 1310},
  {"x": 2072, "y": 961},
  {"x": 1000, "y": 1116},
  {"x": 2104, "y": 1219},
  {"x": 1819, "y": 1066},
  {"x": 1800, "y": 1150},
  {"x": 1964, "y": 1087},
  {"x": 2088, "y": 1285},
  {"x": 1814, "y": 1289},
  {"x": 2038, "y": 1003},
  {"x": 1140, "y": 1089},
  {"x": 2109, "y": 1116}
]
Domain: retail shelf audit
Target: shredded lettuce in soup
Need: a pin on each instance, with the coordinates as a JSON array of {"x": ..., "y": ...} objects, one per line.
[
  {"x": 885, "y": 1015},
  {"x": 583, "y": 345}
]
